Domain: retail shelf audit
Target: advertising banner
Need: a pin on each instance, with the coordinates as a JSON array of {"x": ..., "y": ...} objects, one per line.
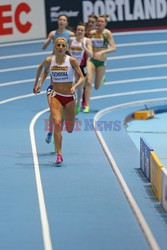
[
  {"x": 122, "y": 15},
  {"x": 22, "y": 20},
  {"x": 156, "y": 174},
  {"x": 164, "y": 188},
  {"x": 145, "y": 150}
]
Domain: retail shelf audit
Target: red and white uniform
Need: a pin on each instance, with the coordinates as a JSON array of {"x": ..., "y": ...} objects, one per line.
[
  {"x": 63, "y": 72},
  {"x": 59, "y": 74},
  {"x": 77, "y": 51}
]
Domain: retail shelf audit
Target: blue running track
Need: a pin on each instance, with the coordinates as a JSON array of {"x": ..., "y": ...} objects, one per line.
[{"x": 98, "y": 199}]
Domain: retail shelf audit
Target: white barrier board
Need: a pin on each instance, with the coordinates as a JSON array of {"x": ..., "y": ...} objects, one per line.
[
  {"x": 164, "y": 188},
  {"x": 22, "y": 20}
]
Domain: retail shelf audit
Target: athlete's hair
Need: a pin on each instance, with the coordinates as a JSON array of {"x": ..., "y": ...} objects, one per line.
[
  {"x": 60, "y": 38},
  {"x": 65, "y": 16},
  {"x": 81, "y": 24},
  {"x": 105, "y": 17},
  {"x": 93, "y": 16}
]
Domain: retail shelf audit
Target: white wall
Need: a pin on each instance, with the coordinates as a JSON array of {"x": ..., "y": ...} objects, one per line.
[{"x": 22, "y": 20}]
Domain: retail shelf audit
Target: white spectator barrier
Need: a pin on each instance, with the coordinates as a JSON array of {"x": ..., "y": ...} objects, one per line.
[
  {"x": 22, "y": 20},
  {"x": 164, "y": 188}
]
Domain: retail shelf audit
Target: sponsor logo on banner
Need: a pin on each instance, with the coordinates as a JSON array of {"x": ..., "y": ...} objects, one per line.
[
  {"x": 7, "y": 18},
  {"x": 122, "y": 14},
  {"x": 19, "y": 20},
  {"x": 126, "y": 10},
  {"x": 145, "y": 150},
  {"x": 56, "y": 11}
]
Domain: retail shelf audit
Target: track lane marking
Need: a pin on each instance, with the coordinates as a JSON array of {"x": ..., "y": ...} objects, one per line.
[
  {"x": 92, "y": 98},
  {"x": 42, "y": 207},
  {"x": 152, "y": 66},
  {"x": 133, "y": 80},
  {"x": 136, "y": 210},
  {"x": 44, "y": 220}
]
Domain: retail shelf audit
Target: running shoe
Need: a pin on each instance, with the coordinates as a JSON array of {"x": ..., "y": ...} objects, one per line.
[
  {"x": 59, "y": 159},
  {"x": 77, "y": 109},
  {"x": 48, "y": 137},
  {"x": 86, "y": 109}
]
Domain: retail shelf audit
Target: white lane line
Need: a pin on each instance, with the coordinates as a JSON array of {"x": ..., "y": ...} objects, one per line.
[
  {"x": 141, "y": 43},
  {"x": 16, "y": 82},
  {"x": 21, "y": 43},
  {"x": 131, "y": 200},
  {"x": 108, "y": 58},
  {"x": 26, "y": 55},
  {"x": 127, "y": 33},
  {"x": 115, "y": 34},
  {"x": 44, "y": 221},
  {"x": 20, "y": 97},
  {"x": 94, "y": 97},
  {"x": 129, "y": 93},
  {"x": 19, "y": 68},
  {"x": 117, "y": 45},
  {"x": 143, "y": 79},
  {"x": 136, "y": 210},
  {"x": 19, "y": 82},
  {"x": 136, "y": 56},
  {"x": 156, "y": 66},
  {"x": 107, "y": 70},
  {"x": 43, "y": 214}
]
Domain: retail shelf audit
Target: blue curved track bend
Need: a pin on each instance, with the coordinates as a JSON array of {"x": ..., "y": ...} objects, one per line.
[{"x": 98, "y": 199}]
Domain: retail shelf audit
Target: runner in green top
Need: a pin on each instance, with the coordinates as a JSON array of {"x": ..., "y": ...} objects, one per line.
[{"x": 102, "y": 43}]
